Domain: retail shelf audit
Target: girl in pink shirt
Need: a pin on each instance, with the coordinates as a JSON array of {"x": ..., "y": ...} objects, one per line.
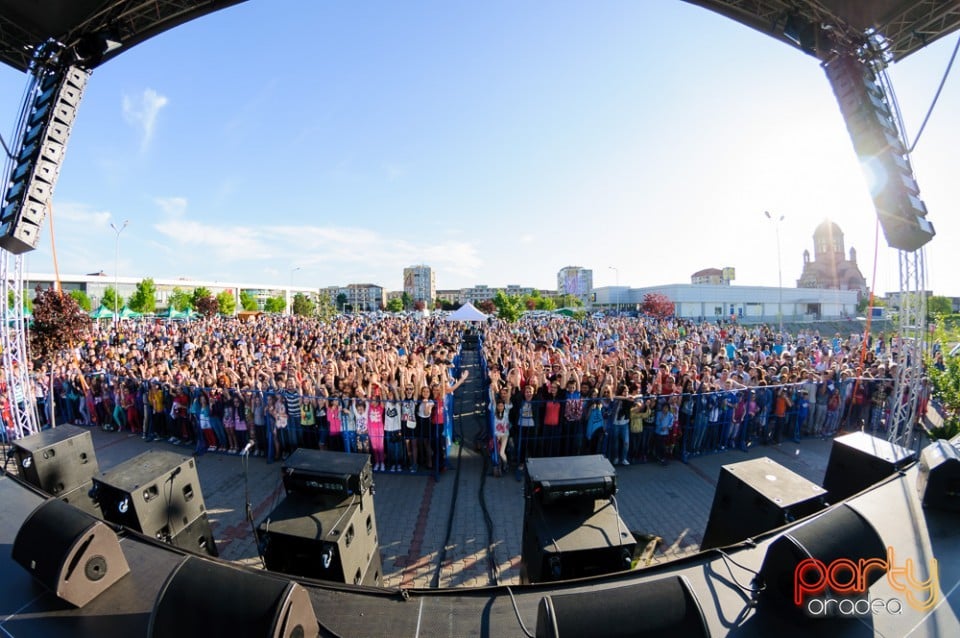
[{"x": 375, "y": 426}]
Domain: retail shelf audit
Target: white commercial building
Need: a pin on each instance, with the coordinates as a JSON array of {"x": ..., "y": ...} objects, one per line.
[{"x": 751, "y": 304}]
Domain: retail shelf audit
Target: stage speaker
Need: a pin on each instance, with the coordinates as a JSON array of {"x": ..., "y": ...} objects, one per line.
[
  {"x": 939, "y": 478},
  {"x": 33, "y": 176},
  {"x": 323, "y": 538},
  {"x": 158, "y": 494},
  {"x": 569, "y": 478},
  {"x": 859, "y": 460},
  {"x": 664, "y": 608},
  {"x": 338, "y": 474},
  {"x": 69, "y": 552},
  {"x": 204, "y": 598},
  {"x": 81, "y": 499},
  {"x": 57, "y": 460},
  {"x": 834, "y": 548},
  {"x": 757, "y": 496},
  {"x": 573, "y": 540}
]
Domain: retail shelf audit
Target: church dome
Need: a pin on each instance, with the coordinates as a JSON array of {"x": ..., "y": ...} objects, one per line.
[{"x": 827, "y": 228}]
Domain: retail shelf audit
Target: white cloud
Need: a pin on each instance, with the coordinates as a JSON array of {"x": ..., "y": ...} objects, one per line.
[
  {"x": 172, "y": 206},
  {"x": 82, "y": 214},
  {"x": 361, "y": 251},
  {"x": 141, "y": 112}
]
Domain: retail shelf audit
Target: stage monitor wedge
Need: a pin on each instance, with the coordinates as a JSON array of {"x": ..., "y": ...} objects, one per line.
[
  {"x": 664, "y": 608},
  {"x": 203, "y": 598},
  {"x": 71, "y": 553}
]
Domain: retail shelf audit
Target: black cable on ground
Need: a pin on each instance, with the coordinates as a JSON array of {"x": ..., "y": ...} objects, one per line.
[
  {"x": 488, "y": 521},
  {"x": 442, "y": 556}
]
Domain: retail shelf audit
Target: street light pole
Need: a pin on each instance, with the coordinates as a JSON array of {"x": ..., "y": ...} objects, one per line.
[
  {"x": 616, "y": 272},
  {"x": 290, "y": 291},
  {"x": 116, "y": 269},
  {"x": 779, "y": 269}
]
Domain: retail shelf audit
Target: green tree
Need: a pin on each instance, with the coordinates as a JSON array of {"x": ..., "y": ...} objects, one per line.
[
  {"x": 27, "y": 303},
  {"x": 58, "y": 323},
  {"x": 864, "y": 303},
  {"x": 302, "y": 305},
  {"x": 945, "y": 385},
  {"x": 144, "y": 299},
  {"x": 937, "y": 305},
  {"x": 341, "y": 301},
  {"x": 395, "y": 304},
  {"x": 325, "y": 310},
  {"x": 247, "y": 302},
  {"x": 180, "y": 300},
  {"x": 275, "y": 304},
  {"x": 546, "y": 303},
  {"x": 82, "y": 300},
  {"x": 509, "y": 308},
  {"x": 111, "y": 300},
  {"x": 406, "y": 300},
  {"x": 226, "y": 303},
  {"x": 569, "y": 301}
]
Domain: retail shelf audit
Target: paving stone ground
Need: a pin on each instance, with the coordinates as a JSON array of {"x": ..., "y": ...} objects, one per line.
[{"x": 413, "y": 511}]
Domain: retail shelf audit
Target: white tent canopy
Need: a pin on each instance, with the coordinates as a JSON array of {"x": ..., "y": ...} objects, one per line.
[{"x": 466, "y": 312}]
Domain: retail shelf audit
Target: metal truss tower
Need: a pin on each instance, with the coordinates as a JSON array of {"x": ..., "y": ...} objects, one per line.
[{"x": 23, "y": 411}]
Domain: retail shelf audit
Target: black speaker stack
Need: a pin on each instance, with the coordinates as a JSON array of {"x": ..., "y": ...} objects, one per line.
[
  {"x": 325, "y": 527},
  {"x": 571, "y": 526},
  {"x": 756, "y": 496},
  {"x": 60, "y": 461},
  {"x": 158, "y": 494},
  {"x": 939, "y": 480},
  {"x": 859, "y": 460}
]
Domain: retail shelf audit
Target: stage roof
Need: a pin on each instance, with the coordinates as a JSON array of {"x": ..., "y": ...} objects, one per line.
[
  {"x": 906, "y": 25},
  {"x": 25, "y": 24},
  {"x": 816, "y": 26}
]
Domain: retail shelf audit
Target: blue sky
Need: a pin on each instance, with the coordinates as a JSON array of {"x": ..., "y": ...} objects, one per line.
[{"x": 496, "y": 141}]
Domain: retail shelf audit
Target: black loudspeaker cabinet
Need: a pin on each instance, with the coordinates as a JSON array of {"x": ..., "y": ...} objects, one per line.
[
  {"x": 196, "y": 537},
  {"x": 71, "y": 553},
  {"x": 336, "y": 474},
  {"x": 859, "y": 460},
  {"x": 204, "y": 598},
  {"x": 574, "y": 540},
  {"x": 664, "y": 608},
  {"x": 841, "y": 533},
  {"x": 557, "y": 479},
  {"x": 756, "y": 496},
  {"x": 82, "y": 500},
  {"x": 158, "y": 494},
  {"x": 939, "y": 478},
  {"x": 323, "y": 538},
  {"x": 57, "y": 460}
]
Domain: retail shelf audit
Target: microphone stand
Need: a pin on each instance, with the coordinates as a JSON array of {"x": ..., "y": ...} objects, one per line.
[{"x": 248, "y": 508}]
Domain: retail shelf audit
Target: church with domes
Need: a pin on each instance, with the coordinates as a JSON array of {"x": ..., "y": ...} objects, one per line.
[{"x": 830, "y": 267}]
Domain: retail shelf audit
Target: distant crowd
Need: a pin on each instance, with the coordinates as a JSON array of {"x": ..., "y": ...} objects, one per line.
[
  {"x": 642, "y": 389},
  {"x": 635, "y": 389}
]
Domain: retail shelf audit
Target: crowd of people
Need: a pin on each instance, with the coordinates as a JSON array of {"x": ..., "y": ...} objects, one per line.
[
  {"x": 634, "y": 389},
  {"x": 641, "y": 389},
  {"x": 358, "y": 383}
]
